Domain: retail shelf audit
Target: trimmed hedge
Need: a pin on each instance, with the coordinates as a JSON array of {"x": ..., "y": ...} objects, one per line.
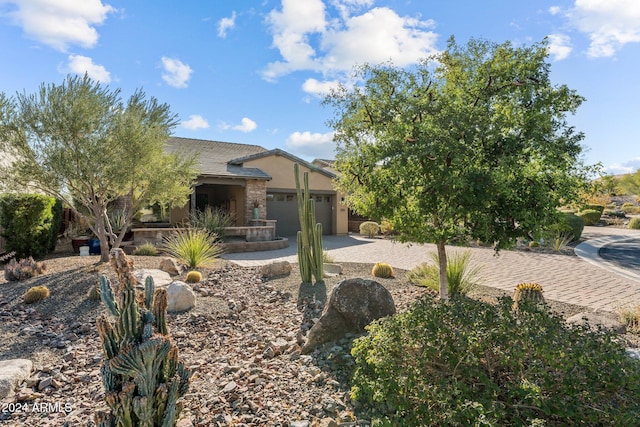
[
  {"x": 590, "y": 216},
  {"x": 30, "y": 223},
  {"x": 573, "y": 223}
]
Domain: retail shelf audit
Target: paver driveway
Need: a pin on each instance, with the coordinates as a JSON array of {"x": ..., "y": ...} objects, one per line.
[{"x": 564, "y": 278}]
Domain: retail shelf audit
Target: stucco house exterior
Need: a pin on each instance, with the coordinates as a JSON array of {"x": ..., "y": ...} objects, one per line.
[{"x": 238, "y": 177}]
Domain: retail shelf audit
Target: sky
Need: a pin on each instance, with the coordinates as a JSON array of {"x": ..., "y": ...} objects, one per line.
[{"x": 255, "y": 72}]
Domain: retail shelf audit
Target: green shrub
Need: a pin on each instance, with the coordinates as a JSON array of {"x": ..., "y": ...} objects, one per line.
[
  {"x": 194, "y": 247},
  {"x": 572, "y": 223},
  {"x": 630, "y": 209},
  {"x": 461, "y": 277},
  {"x": 26, "y": 268},
  {"x": 146, "y": 249},
  {"x": 386, "y": 228},
  {"x": 468, "y": 363},
  {"x": 590, "y": 216},
  {"x": 534, "y": 244},
  {"x": 29, "y": 224},
  {"x": 383, "y": 270},
  {"x": 634, "y": 223},
  {"x": 35, "y": 294},
  {"x": 595, "y": 207},
  {"x": 213, "y": 220},
  {"x": 369, "y": 228}
]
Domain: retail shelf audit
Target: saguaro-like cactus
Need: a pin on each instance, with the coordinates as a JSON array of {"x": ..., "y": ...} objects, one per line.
[
  {"x": 310, "y": 234},
  {"x": 142, "y": 377}
]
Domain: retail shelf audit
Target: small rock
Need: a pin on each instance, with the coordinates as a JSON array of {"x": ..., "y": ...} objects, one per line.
[
  {"x": 275, "y": 269},
  {"x": 169, "y": 265}
]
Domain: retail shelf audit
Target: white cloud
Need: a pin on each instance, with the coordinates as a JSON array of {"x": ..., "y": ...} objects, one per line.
[
  {"x": 377, "y": 36},
  {"x": 554, "y": 10},
  {"x": 226, "y": 24},
  {"x": 195, "y": 122},
  {"x": 176, "y": 73},
  {"x": 559, "y": 46},
  {"x": 628, "y": 166},
  {"x": 246, "y": 125},
  {"x": 79, "y": 64},
  {"x": 610, "y": 24},
  {"x": 318, "y": 88},
  {"x": 60, "y": 24},
  {"x": 309, "y": 39},
  {"x": 307, "y": 144}
]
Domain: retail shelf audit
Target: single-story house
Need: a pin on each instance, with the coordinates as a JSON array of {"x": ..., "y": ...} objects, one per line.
[{"x": 240, "y": 177}]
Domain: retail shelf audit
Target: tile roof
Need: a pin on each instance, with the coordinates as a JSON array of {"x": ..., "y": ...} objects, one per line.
[{"x": 214, "y": 157}]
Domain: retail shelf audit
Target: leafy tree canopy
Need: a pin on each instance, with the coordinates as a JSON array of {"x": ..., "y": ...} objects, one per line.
[
  {"x": 80, "y": 142},
  {"x": 473, "y": 141}
]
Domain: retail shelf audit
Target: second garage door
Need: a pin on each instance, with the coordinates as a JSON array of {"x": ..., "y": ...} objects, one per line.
[{"x": 283, "y": 207}]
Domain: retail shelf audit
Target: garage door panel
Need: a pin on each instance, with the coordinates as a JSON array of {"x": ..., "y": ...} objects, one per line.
[{"x": 283, "y": 207}]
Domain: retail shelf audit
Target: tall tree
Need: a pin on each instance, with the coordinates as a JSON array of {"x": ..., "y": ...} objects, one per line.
[
  {"x": 80, "y": 142},
  {"x": 630, "y": 183},
  {"x": 473, "y": 141}
]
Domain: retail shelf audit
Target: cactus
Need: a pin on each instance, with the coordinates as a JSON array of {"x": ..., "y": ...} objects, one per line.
[
  {"x": 35, "y": 294},
  {"x": 310, "y": 234},
  {"x": 94, "y": 292},
  {"x": 141, "y": 374},
  {"x": 24, "y": 269},
  {"x": 193, "y": 277},
  {"x": 528, "y": 292},
  {"x": 382, "y": 269}
]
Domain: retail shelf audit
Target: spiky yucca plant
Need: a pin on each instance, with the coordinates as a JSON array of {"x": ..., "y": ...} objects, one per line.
[
  {"x": 194, "y": 247},
  {"x": 141, "y": 374}
]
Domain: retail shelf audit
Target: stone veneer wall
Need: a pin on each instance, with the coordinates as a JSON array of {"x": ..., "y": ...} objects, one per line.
[{"x": 255, "y": 190}]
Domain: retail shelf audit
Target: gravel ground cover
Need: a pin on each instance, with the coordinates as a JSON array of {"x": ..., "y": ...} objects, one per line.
[{"x": 242, "y": 340}]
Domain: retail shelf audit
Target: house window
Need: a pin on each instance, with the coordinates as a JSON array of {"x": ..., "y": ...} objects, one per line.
[
  {"x": 289, "y": 197},
  {"x": 270, "y": 197}
]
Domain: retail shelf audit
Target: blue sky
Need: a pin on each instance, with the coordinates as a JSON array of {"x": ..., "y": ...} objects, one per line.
[{"x": 255, "y": 71}]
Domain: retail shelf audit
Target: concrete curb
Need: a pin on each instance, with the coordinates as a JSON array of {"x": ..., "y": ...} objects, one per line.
[{"x": 589, "y": 251}]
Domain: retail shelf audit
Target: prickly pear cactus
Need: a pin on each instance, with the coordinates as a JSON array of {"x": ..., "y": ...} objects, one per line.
[
  {"x": 528, "y": 292},
  {"x": 141, "y": 374}
]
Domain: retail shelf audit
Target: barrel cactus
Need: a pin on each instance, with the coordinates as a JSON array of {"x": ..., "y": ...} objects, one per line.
[
  {"x": 528, "y": 292},
  {"x": 193, "y": 277},
  {"x": 141, "y": 374},
  {"x": 383, "y": 270},
  {"x": 35, "y": 294}
]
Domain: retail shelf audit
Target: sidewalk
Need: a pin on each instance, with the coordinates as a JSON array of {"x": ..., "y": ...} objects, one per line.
[{"x": 564, "y": 278}]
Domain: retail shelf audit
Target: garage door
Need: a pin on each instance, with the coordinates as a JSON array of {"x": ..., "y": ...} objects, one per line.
[{"x": 283, "y": 207}]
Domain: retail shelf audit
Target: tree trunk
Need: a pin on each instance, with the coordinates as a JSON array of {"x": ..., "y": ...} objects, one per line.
[{"x": 442, "y": 267}]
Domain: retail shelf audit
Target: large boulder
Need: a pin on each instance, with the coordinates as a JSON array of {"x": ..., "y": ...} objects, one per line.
[
  {"x": 161, "y": 278},
  {"x": 352, "y": 305},
  {"x": 12, "y": 372},
  {"x": 171, "y": 266},
  {"x": 180, "y": 297},
  {"x": 276, "y": 269}
]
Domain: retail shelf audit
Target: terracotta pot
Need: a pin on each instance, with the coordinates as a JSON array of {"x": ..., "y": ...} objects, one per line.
[{"x": 76, "y": 242}]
